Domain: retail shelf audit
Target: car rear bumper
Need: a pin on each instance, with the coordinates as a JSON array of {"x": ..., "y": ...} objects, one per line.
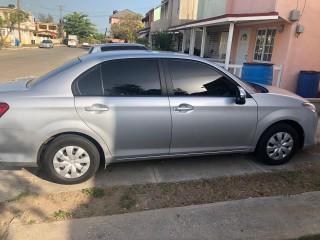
[{"x": 19, "y": 147}]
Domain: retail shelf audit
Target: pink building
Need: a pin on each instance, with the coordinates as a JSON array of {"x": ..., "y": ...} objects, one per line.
[
  {"x": 116, "y": 17},
  {"x": 282, "y": 32}
]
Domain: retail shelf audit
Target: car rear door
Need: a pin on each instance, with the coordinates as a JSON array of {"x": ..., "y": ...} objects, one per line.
[
  {"x": 205, "y": 117},
  {"x": 125, "y": 102}
]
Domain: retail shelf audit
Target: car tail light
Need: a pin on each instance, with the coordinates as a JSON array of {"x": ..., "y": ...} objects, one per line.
[{"x": 3, "y": 108}]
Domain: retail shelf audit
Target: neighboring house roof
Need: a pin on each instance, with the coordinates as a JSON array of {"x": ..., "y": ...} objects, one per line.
[{"x": 121, "y": 14}]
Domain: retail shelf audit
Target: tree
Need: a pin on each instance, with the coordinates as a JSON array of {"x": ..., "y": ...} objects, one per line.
[
  {"x": 9, "y": 21},
  {"x": 46, "y": 19},
  {"x": 100, "y": 37},
  {"x": 128, "y": 27},
  {"x": 78, "y": 24},
  {"x": 163, "y": 41}
]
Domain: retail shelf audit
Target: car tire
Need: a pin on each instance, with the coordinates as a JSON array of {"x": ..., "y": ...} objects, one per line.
[
  {"x": 71, "y": 159},
  {"x": 278, "y": 144}
]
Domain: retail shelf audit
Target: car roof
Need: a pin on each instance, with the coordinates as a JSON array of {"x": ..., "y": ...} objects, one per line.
[
  {"x": 118, "y": 44},
  {"x": 113, "y": 55}
]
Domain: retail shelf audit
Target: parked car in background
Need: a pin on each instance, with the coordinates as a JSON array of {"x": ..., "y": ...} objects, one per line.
[
  {"x": 116, "y": 47},
  {"x": 46, "y": 44},
  {"x": 139, "y": 105}
]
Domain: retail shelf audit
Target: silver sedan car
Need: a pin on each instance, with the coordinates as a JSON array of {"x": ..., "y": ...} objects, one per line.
[
  {"x": 127, "y": 106},
  {"x": 46, "y": 44}
]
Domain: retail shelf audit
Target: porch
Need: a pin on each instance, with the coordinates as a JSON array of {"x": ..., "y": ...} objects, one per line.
[{"x": 228, "y": 41}]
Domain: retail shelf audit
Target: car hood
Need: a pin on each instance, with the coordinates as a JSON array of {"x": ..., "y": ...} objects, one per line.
[
  {"x": 15, "y": 85},
  {"x": 282, "y": 92}
]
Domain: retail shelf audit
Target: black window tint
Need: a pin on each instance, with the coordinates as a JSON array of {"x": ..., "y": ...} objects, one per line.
[
  {"x": 131, "y": 78},
  {"x": 113, "y": 48},
  {"x": 89, "y": 84},
  {"x": 134, "y": 48},
  {"x": 196, "y": 79}
]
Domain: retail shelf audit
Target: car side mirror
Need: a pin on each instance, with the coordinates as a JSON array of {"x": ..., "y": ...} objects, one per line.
[{"x": 241, "y": 95}]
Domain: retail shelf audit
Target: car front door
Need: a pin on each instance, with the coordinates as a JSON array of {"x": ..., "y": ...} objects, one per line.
[
  {"x": 205, "y": 116},
  {"x": 126, "y": 104}
]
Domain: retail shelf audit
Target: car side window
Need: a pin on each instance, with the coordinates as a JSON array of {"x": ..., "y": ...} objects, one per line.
[
  {"x": 89, "y": 84},
  {"x": 190, "y": 78},
  {"x": 137, "y": 77}
]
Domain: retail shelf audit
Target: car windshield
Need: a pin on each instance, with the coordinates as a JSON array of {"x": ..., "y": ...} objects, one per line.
[
  {"x": 53, "y": 72},
  {"x": 46, "y": 41}
]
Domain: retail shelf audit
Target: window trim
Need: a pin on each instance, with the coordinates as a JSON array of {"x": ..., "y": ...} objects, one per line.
[
  {"x": 163, "y": 86},
  {"x": 169, "y": 81},
  {"x": 264, "y": 46}
]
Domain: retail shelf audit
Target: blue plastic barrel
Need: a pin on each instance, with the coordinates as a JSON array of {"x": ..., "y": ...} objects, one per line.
[
  {"x": 258, "y": 73},
  {"x": 308, "y": 84},
  {"x": 17, "y": 42}
]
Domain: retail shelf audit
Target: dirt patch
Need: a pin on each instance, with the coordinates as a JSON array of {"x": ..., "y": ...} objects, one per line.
[{"x": 28, "y": 208}]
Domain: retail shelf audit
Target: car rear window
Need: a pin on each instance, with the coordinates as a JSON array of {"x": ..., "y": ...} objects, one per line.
[
  {"x": 109, "y": 48},
  {"x": 120, "y": 48},
  {"x": 134, "y": 48},
  {"x": 54, "y": 72}
]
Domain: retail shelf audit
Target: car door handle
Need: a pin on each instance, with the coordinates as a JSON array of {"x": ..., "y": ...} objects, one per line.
[
  {"x": 183, "y": 108},
  {"x": 96, "y": 108}
]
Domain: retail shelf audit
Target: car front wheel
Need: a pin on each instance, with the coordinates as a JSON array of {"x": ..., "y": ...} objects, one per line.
[
  {"x": 71, "y": 159},
  {"x": 278, "y": 144}
]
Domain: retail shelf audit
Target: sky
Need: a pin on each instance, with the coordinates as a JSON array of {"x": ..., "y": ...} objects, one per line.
[{"x": 98, "y": 10}]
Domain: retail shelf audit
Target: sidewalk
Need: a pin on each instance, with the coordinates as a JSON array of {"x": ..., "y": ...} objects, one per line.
[{"x": 285, "y": 217}]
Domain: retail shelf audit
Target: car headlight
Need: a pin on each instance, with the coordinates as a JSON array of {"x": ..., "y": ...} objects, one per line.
[{"x": 310, "y": 106}]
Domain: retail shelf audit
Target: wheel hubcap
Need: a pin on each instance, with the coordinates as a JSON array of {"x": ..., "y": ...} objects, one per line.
[
  {"x": 71, "y": 162},
  {"x": 280, "y": 146}
]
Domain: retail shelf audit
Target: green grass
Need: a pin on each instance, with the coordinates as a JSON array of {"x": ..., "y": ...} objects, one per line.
[
  {"x": 288, "y": 175},
  {"x": 86, "y": 205},
  {"x": 317, "y": 184},
  {"x": 20, "y": 196},
  {"x": 94, "y": 191},
  {"x": 15, "y": 212},
  {"x": 60, "y": 215},
  {"x": 310, "y": 237},
  {"x": 127, "y": 202},
  {"x": 32, "y": 222}
]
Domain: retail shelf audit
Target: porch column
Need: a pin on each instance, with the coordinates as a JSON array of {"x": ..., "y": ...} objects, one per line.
[
  {"x": 192, "y": 41},
  {"x": 203, "y": 41},
  {"x": 184, "y": 41},
  {"x": 229, "y": 45}
]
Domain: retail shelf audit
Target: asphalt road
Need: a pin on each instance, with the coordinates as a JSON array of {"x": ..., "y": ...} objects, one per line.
[{"x": 34, "y": 61}]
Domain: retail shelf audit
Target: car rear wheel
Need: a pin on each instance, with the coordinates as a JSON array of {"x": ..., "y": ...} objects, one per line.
[
  {"x": 278, "y": 144},
  {"x": 71, "y": 159}
]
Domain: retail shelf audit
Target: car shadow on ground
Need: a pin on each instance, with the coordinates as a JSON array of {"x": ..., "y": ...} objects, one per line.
[{"x": 173, "y": 170}]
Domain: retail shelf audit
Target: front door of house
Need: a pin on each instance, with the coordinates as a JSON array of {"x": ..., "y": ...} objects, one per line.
[{"x": 243, "y": 46}]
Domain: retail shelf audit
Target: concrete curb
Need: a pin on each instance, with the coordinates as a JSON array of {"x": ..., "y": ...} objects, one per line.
[{"x": 284, "y": 217}]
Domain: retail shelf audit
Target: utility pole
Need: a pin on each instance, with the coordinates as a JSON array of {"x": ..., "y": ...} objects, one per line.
[
  {"x": 19, "y": 29},
  {"x": 61, "y": 20}
]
